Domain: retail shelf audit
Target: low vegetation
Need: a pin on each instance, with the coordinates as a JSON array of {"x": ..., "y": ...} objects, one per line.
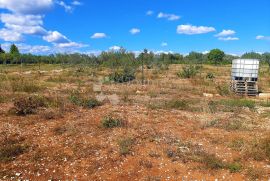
[
  {"x": 10, "y": 149},
  {"x": 28, "y": 105},
  {"x": 110, "y": 122},
  {"x": 125, "y": 145},
  {"x": 189, "y": 71}
]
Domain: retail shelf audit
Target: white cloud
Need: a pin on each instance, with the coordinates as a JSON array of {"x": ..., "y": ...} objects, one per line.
[
  {"x": 192, "y": 30},
  {"x": 67, "y": 8},
  {"x": 23, "y": 20},
  {"x": 115, "y": 48},
  {"x": 26, "y": 6},
  {"x": 162, "y": 52},
  {"x": 98, "y": 35},
  {"x": 76, "y": 3},
  {"x": 27, "y": 19},
  {"x": 8, "y": 35},
  {"x": 134, "y": 31},
  {"x": 228, "y": 38},
  {"x": 149, "y": 13},
  {"x": 70, "y": 45},
  {"x": 55, "y": 37},
  {"x": 261, "y": 37},
  {"x": 225, "y": 33},
  {"x": 170, "y": 17},
  {"x": 23, "y": 24},
  {"x": 205, "y": 52},
  {"x": 164, "y": 44}
]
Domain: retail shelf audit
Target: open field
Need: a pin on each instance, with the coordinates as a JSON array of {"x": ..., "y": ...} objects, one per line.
[{"x": 71, "y": 123}]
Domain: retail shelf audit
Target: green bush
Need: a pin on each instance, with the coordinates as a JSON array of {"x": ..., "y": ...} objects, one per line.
[
  {"x": 189, "y": 71},
  {"x": 234, "y": 167},
  {"x": 76, "y": 99},
  {"x": 212, "y": 162},
  {"x": 122, "y": 76},
  {"x": 110, "y": 122},
  {"x": 91, "y": 103}
]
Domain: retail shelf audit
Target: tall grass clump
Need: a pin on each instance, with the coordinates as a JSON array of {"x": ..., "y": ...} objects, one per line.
[{"x": 23, "y": 85}]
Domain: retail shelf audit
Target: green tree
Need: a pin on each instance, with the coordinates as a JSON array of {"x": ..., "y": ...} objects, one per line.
[
  {"x": 252, "y": 55},
  {"x": 216, "y": 55},
  {"x": 14, "y": 50}
]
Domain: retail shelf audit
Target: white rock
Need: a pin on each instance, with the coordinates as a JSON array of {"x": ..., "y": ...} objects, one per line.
[
  {"x": 208, "y": 95},
  {"x": 264, "y": 95}
]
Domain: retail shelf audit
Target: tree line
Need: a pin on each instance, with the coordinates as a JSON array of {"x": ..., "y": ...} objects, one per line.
[{"x": 122, "y": 57}]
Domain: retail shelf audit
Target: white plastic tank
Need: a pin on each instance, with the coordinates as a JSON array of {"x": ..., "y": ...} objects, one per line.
[{"x": 245, "y": 69}]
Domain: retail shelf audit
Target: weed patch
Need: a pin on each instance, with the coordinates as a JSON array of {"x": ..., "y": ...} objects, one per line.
[
  {"x": 28, "y": 105},
  {"x": 110, "y": 122},
  {"x": 125, "y": 145},
  {"x": 259, "y": 149},
  {"x": 10, "y": 149}
]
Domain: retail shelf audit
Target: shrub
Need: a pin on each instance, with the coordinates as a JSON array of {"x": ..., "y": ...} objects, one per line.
[
  {"x": 235, "y": 124},
  {"x": 260, "y": 149},
  {"x": 234, "y": 167},
  {"x": 28, "y": 105},
  {"x": 10, "y": 149},
  {"x": 122, "y": 76},
  {"x": 110, "y": 122},
  {"x": 76, "y": 99},
  {"x": 177, "y": 104},
  {"x": 189, "y": 71},
  {"x": 91, "y": 103},
  {"x": 125, "y": 145},
  {"x": 223, "y": 90},
  {"x": 212, "y": 162},
  {"x": 8, "y": 153},
  {"x": 237, "y": 144},
  {"x": 210, "y": 76}
]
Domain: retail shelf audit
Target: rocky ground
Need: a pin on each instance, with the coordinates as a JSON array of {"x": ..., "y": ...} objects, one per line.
[{"x": 167, "y": 130}]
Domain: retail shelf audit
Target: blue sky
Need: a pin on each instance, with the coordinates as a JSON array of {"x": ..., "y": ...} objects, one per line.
[{"x": 91, "y": 26}]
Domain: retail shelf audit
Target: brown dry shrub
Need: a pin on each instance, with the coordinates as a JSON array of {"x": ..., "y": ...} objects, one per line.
[{"x": 28, "y": 105}]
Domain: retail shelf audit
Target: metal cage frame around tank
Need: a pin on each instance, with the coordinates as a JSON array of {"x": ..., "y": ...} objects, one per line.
[{"x": 244, "y": 76}]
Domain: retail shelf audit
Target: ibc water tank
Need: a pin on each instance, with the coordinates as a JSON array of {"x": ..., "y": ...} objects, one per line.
[{"x": 245, "y": 69}]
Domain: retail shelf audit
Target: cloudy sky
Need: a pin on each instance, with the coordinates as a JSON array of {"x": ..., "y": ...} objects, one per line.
[{"x": 91, "y": 26}]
